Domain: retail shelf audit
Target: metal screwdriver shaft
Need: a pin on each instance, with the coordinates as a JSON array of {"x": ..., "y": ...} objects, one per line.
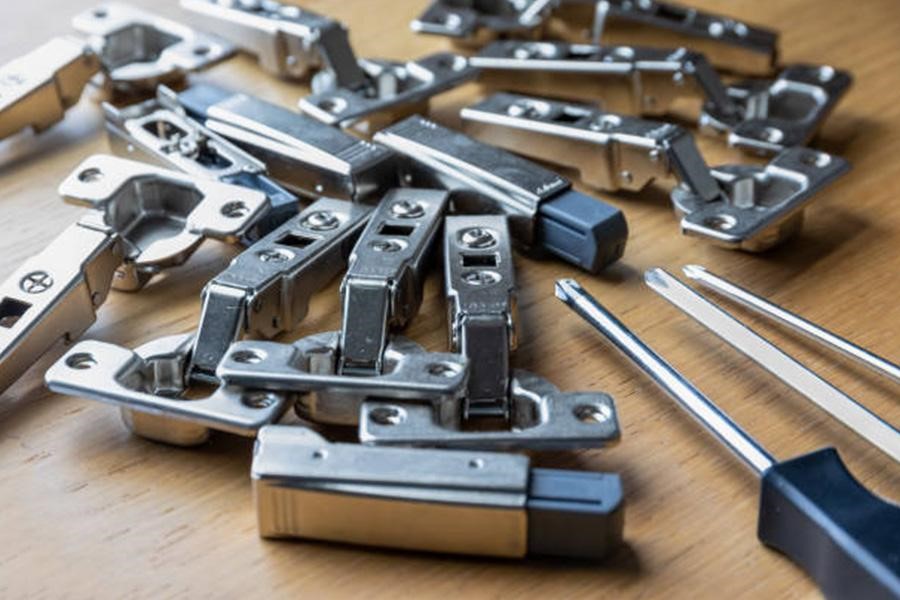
[
  {"x": 794, "y": 321},
  {"x": 811, "y": 507},
  {"x": 838, "y": 404},
  {"x": 670, "y": 380}
]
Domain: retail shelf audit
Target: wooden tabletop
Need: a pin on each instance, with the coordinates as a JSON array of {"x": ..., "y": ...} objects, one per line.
[{"x": 89, "y": 510}]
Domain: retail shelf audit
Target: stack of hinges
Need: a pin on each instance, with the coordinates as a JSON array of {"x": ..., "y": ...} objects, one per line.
[{"x": 361, "y": 181}]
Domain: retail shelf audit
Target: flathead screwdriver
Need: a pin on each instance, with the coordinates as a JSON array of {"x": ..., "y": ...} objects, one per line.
[
  {"x": 796, "y": 322},
  {"x": 839, "y": 405},
  {"x": 811, "y": 507}
]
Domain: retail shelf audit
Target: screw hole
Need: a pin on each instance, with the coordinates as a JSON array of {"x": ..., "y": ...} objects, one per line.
[
  {"x": 592, "y": 414},
  {"x": 476, "y": 463},
  {"x": 248, "y": 357},
  {"x": 319, "y": 454},
  {"x": 387, "y": 415},
  {"x": 90, "y": 175},
  {"x": 100, "y": 13},
  {"x": 235, "y": 209},
  {"x": 333, "y": 105},
  {"x": 443, "y": 369},
  {"x": 259, "y": 400},
  {"x": 201, "y": 50},
  {"x": 81, "y": 361},
  {"x": 721, "y": 222}
]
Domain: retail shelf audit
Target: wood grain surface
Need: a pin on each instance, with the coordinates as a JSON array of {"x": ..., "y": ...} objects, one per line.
[{"x": 87, "y": 510}]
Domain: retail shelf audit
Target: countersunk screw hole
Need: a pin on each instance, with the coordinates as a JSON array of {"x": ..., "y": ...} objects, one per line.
[
  {"x": 319, "y": 454},
  {"x": 387, "y": 415},
  {"x": 259, "y": 400},
  {"x": 248, "y": 357},
  {"x": 720, "y": 222},
  {"x": 90, "y": 175},
  {"x": 81, "y": 361},
  {"x": 592, "y": 414},
  {"x": 235, "y": 209},
  {"x": 476, "y": 463},
  {"x": 443, "y": 369}
]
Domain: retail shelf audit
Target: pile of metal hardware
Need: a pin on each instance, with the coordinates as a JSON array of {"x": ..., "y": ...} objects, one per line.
[{"x": 359, "y": 180}]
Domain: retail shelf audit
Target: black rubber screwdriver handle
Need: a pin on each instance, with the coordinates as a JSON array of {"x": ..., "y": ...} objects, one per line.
[{"x": 847, "y": 539}]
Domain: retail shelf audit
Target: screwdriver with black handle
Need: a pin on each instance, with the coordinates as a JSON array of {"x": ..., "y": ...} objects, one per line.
[{"x": 811, "y": 507}]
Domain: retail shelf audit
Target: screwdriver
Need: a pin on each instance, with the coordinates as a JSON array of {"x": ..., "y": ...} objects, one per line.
[
  {"x": 762, "y": 306},
  {"x": 811, "y": 508}
]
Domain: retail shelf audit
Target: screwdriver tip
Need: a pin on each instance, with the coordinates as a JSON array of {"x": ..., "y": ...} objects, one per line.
[
  {"x": 565, "y": 289},
  {"x": 694, "y": 271},
  {"x": 656, "y": 277}
]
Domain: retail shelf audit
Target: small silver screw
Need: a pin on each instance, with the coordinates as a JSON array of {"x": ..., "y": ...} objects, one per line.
[
  {"x": 478, "y": 238},
  {"x": 321, "y": 220},
  {"x": 405, "y": 209},
  {"x": 36, "y": 282}
]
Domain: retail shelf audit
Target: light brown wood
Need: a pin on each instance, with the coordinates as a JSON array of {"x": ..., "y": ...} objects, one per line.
[{"x": 91, "y": 511}]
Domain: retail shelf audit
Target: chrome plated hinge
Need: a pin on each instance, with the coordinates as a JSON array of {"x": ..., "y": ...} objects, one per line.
[
  {"x": 144, "y": 219},
  {"x": 381, "y": 292},
  {"x": 779, "y": 113},
  {"x": 761, "y": 115},
  {"x": 139, "y": 50},
  {"x": 389, "y": 92},
  {"x": 55, "y": 294},
  {"x": 609, "y": 151},
  {"x": 472, "y": 24},
  {"x": 544, "y": 211},
  {"x": 760, "y": 206},
  {"x": 742, "y": 206},
  {"x": 629, "y": 79},
  {"x": 159, "y": 131},
  {"x": 288, "y": 41},
  {"x": 148, "y": 385},
  {"x": 309, "y": 157},
  {"x": 503, "y": 408},
  {"x": 731, "y": 44},
  {"x": 163, "y": 215},
  {"x": 266, "y": 290},
  {"x": 36, "y": 89},
  {"x": 483, "y": 503}
]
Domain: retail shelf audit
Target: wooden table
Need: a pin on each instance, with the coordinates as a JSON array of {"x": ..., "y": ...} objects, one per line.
[{"x": 89, "y": 510}]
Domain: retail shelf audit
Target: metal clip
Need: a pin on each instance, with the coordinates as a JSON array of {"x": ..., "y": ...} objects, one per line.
[
  {"x": 146, "y": 384},
  {"x": 140, "y": 50},
  {"x": 287, "y": 40},
  {"x": 163, "y": 215},
  {"x": 478, "y": 268},
  {"x": 732, "y": 45},
  {"x": 158, "y": 131},
  {"x": 266, "y": 290},
  {"x": 779, "y": 113},
  {"x": 305, "y": 155},
  {"x": 38, "y": 88},
  {"x": 55, "y": 295},
  {"x": 473, "y": 24},
  {"x": 544, "y": 211},
  {"x": 760, "y": 205},
  {"x": 628, "y": 79},
  {"x": 739, "y": 205},
  {"x": 381, "y": 291},
  {"x": 390, "y": 91},
  {"x": 609, "y": 151},
  {"x": 483, "y": 503}
]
